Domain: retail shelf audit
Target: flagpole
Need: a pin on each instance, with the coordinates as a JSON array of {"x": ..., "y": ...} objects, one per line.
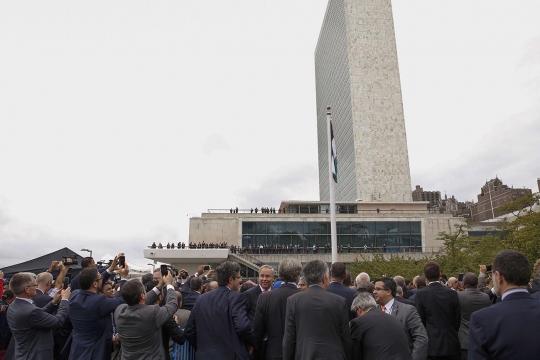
[{"x": 331, "y": 186}]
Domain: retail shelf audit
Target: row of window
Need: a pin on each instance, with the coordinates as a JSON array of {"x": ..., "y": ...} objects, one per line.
[
  {"x": 356, "y": 241},
  {"x": 363, "y": 228}
]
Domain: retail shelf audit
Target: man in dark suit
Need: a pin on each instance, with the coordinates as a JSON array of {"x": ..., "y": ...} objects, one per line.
[
  {"x": 270, "y": 315},
  {"x": 470, "y": 300},
  {"x": 218, "y": 326},
  {"x": 90, "y": 316},
  {"x": 32, "y": 326},
  {"x": 89, "y": 263},
  {"x": 44, "y": 281},
  {"x": 438, "y": 307},
  {"x": 399, "y": 297},
  {"x": 376, "y": 335},
  {"x": 189, "y": 297},
  {"x": 316, "y": 321},
  {"x": 266, "y": 279},
  {"x": 338, "y": 272},
  {"x": 139, "y": 325},
  {"x": 385, "y": 291},
  {"x": 508, "y": 329}
]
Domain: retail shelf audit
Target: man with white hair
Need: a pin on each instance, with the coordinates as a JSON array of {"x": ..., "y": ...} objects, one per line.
[{"x": 363, "y": 284}]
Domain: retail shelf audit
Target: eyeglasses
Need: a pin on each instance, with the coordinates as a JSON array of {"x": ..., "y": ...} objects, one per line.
[
  {"x": 35, "y": 285},
  {"x": 99, "y": 278},
  {"x": 380, "y": 289}
]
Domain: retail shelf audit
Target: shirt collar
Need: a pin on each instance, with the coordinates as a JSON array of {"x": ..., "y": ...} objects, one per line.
[
  {"x": 25, "y": 299},
  {"x": 389, "y": 304},
  {"x": 513, "y": 291}
]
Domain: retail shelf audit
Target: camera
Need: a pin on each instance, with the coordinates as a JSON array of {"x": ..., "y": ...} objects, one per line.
[{"x": 70, "y": 260}]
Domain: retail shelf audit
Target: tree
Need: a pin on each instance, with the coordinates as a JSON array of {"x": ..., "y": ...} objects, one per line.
[{"x": 522, "y": 205}]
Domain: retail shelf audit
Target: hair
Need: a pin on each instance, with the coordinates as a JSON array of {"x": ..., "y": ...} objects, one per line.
[
  {"x": 364, "y": 301},
  {"x": 314, "y": 271},
  {"x": 470, "y": 280},
  {"x": 147, "y": 278},
  {"x": 150, "y": 285},
  {"x": 131, "y": 292},
  {"x": 421, "y": 282},
  {"x": 195, "y": 283},
  {"x": 514, "y": 266},
  {"x": 225, "y": 271},
  {"x": 87, "y": 277},
  {"x": 399, "y": 290},
  {"x": 246, "y": 286},
  {"x": 362, "y": 278},
  {"x": 43, "y": 278},
  {"x": 432, "y": 271},
  {"x": 179, "y": 298},
  {"x": 21, "y": 280},
  {"x": 302, "y": 280},
  {"x": 389, "y": 284},
  {"x": 266, "y": 267},
  {"x": 86, "y": 261},
  {"x": 400, "y": 280},
  {"x": 289, "y": 269},
  {"x": 208, "y": 287},
  {"x": 347, "y": 281},
  {"x": 8, "y": 294},
  {"x": 338, "y": 270}
]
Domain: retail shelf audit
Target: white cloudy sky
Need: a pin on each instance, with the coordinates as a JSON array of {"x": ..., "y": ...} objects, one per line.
[{"x": 119, "y": 120}]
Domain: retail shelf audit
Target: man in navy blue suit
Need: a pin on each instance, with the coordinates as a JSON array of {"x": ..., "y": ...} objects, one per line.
[
  {"x": 90, "y": 314},
  {"x": 337, "y": 274},
  {"x": 508, "y": 329},
  {"x": 218, "y": 326}
]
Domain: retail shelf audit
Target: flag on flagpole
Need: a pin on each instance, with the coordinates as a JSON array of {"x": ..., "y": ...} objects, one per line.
[{"x": 333, "y": 152}]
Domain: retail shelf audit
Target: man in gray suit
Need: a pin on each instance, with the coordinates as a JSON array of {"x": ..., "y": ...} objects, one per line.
[
  {"x": 470, "y": 301},
  {"x": 384, "y": 293},
  {"x": 32, "y": 326},
  {"x": 316, "y": 321},
  {"x": 139, "y": 325}
]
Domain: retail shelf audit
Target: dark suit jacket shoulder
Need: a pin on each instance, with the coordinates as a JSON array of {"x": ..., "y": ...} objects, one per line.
[
  {"x": 252, "y": 295},
  {"x": 41, "y": 299},
  {"x": 404, "y": 301},
  {"x": 347, "y": 293},
  {"x": 506, "y": 330},
  {"x": 470, "y": 300}
]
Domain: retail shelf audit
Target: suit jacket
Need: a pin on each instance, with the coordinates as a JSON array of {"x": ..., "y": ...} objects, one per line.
[
  {"x": 32, "y": 328},
  {"x": 139, "y": 328},
  {"x": 90, "y": 316},
  {"x": 188, "y": 299},
  {"x": 220, "y": 322},
  {"x": 438, "y": 307},
  {"x": 404, "y": 301},
  {"x": 415, "y": 330},
  {"x": 316, "y": 326},
  {"x": 407, "y": 293},
  {"x": 347, "y": 293},
  {"x": 507, "y": 330},
  {"x": 270, "y": 321},
  {"x": 470, "y": 301},
  {"x": 378, "y": 336},
  {"x": 41, "y": 299},
  {"x": 252, "y": 295}
]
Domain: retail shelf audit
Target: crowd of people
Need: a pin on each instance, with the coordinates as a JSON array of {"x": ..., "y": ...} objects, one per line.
[{"x": 309, "y": 312}]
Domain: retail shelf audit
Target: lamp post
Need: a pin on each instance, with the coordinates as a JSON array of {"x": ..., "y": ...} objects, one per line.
[{"x": 90, "y": 251}]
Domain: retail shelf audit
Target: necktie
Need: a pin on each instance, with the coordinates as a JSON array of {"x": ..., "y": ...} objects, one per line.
[{"x": 383, "y": 308}]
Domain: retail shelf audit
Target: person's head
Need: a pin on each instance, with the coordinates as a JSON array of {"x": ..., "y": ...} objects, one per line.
[
  {"x": 44, "y": 281},
  {"x": 362, "y": 280},
  {"x": 211, "y": 285},
  {"x": 362, "y": 303},
  {"x": 452, "y": 283},
  {"x": 88, "y": 262},
  {"x": 414, "y": 281},
  {"x": 511, "y": 269},
  {"x": 316, "y": 272},
  {"x": 246, "y": 286},
  {"x": 8, "y": 296},
  {"x": 133, "y": 293},
  {"x": 399, "y": 291},
  {"x": 157, "y": 275},
  {"x": 107, "y": 289},
  {"x": 385, "y": 290},
  {"x": 147, "y": 278},
  {"x": 289, "y": 270},
  {"x": 228, "y": 274},
  {"x": 90, "y": 279},
  {"x": 195, "y": 284},
  {"x": 179, "y": 298},
  {"x": 338, "y": 271},
  {"x": 302, "y": 284},
  {"x": 348, "y": 280},
  {"x": 432, "y": 272},
  {"x": 266, "y": 277},
  {"x": 23, "y": 285},
  {"x": 470, "y": 280},
  {"x": 150, "y": 285},
  {"x": 400, "y": 281},
  {"x": 421, "y": 282}
]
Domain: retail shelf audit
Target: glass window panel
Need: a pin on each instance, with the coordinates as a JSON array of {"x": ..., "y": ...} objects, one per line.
[
  {"x": 380, "y": 241},
  {"x": 272, "y": 240},
  {"x": 322, "y": 240},
  {"x": 370, "y": 227},
  {"x": 259, "y": 227},
  {"x": 304, "y": 209},
  {"x": 415, "y": 227},
  {"x": 284, "y": 239},
  {"x": 343, "y": 228},
  {"x": 247, "y": 227},
  {"x": 247, "y": 240},
  {"x": 404, "y": 227},
  {"x": 392, "y": 227},
  {"x": 297, "y": 227},
  {"x": 313, "y": 209},
  {"x": 392, "y": 243},
  {"x": 357, "y": 228},
  {"x": 344, "y": 240},
  {"x": 274, "y": 228},
  {"x": 381, "y": 228},
  {"x": 416, "y": 240},
  {"x": 405, "y": 240}
]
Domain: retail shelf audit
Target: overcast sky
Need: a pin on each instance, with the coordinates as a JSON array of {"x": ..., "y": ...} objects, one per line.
[{"x": 120, "y": 120}]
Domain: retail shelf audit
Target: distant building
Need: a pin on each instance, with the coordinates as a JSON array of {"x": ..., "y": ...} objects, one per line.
[
  {"x": 495, "y": 194},
  {"x": 433, "y": 197}
]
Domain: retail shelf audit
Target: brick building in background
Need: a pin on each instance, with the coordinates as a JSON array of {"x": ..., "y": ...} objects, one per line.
[{"x": 495, "y": 194}]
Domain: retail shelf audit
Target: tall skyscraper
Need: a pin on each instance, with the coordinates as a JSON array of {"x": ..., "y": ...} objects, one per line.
[{"x": 357, "y": 74}]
